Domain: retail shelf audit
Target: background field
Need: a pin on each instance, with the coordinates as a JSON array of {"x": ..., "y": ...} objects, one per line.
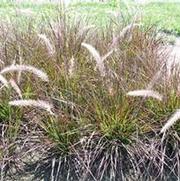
[{"x": 165, "y": 16}]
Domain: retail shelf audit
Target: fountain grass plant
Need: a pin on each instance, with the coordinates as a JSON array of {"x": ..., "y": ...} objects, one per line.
[{"x": 84, "y": 124}]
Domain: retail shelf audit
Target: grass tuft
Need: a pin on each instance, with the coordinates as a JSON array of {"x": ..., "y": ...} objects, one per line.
[{"x": 90, "y": 129}]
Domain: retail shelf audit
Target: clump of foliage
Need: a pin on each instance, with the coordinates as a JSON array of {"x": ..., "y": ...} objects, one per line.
[{"x": 68, "y": 89}]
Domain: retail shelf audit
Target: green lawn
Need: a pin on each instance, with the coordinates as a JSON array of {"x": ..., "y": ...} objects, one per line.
[
  {"x": 24, "y": 12},
  {"x": 165, "y": 16}
]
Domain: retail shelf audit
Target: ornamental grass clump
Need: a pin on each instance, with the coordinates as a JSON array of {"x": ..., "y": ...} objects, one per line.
[{"x": 81, "y": 121}]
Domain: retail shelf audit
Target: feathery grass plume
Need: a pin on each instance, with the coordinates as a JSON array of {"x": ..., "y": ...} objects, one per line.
[
  {"x": 123, "y": 33},
  {"x": 4, "y": 81},
  {"x": 99, "y": 60},
  {"x": 28, "y": 68},
  {"x": 19, "y": 73},
  {"x": 71, "y": 67},
  {"x": 146, "y": 93},
  {"x": 48, "y": 44},
  {"x": 108, "y": 54},
  {"x": 156, "y": 77},
  {"x": 1, "y": 62},
  {"x": 172, "y": 120},
  {"x": 93, "y": 52},
  {"x": 33, "y": 103},
  {"x": 13, "y": 62},
  {"x": 15, "y": 87},
  {"x": 99, "y": 63}
]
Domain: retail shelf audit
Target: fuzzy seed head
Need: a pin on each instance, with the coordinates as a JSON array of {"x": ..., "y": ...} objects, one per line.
[
  {"x": 48, "y": 44},
  {"x": 93, "y": 52},
  {"x": 28, "y": 68},
  {"x": 33, "y": 103},
  {"x": 173, "y": 119},
  {"x": 146, "y": 93},
  {"x": 99, "y": 62},
  {"x": 3, "y": 81},
  {"x": 126, "y": 30},
  {"x": 71, "y": 67}
]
